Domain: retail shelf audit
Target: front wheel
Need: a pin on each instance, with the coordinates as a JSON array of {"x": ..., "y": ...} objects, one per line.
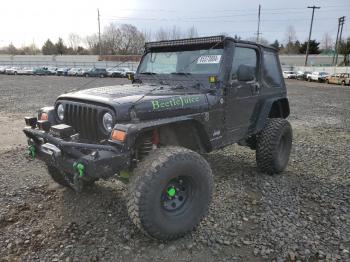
[
  {"x": 170, "y": 192},
  {"x": 274, "y": 144}
]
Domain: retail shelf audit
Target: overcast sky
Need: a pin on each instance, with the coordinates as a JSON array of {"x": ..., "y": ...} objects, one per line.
[{"x": 23, "y": 22}]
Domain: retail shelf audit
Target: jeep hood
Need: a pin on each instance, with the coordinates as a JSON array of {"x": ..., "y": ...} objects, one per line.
[{"x": 147, "y": 101}]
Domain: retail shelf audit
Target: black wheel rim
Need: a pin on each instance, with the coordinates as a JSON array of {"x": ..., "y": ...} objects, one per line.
[{"x": 176, "y": 194}]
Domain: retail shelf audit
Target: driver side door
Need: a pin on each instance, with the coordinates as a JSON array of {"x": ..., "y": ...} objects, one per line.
[{"x": 243, "y": 90}]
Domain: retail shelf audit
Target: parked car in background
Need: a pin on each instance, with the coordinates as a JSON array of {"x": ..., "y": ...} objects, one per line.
[
  {"x": 74, "y": 71},
  {"x": 41, "y": 71},
  {"x": 120, "y": 72},
  {"x": 63, "y": 71},
  {"x": 96, "y": 72},
  {"x": 25, "y": 71},
  {"x": 82, "y": 71},
  {"x": 303, "y": 75},
  {"x": 12, "y": 70},
  {"x": 2, "y": 69},
  {"x": 52, "y": 70},
  {"x": 289, "y": 75},
  {"x": 317, "y": 76},
  {"x": 338, "y": 79}
]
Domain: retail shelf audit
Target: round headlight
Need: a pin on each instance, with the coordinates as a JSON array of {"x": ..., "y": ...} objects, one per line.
[
  {"x": 107, "y": 121},
  {"x": 60, "y": 112}
]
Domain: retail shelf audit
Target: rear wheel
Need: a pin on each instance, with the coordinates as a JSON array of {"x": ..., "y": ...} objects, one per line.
[
  {"x": 170, "y": 192},
  {"x": 274, "y": 144},
  {"x": 343, "y": 83}
]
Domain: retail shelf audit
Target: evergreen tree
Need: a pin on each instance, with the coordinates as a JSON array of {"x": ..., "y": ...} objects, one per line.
[
  {"x": 314, "y": 47},
  {"x": 48, "y": 48},
  {"x": 276, "y": 44},
  {"x": 60, "y": 47}
]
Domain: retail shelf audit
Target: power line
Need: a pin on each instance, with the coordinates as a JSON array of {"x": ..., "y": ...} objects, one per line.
[{"x": 308, "y": 42}]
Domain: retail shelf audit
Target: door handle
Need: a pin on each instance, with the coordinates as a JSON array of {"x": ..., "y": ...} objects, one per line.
[{"x": 255, "y": 88}]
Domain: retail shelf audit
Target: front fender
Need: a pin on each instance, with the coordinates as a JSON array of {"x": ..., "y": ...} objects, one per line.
[{"x": 134, "y": 129}]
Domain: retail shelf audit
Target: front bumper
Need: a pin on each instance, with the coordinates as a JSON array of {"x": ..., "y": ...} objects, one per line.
[{"x": 99, "y": 161}]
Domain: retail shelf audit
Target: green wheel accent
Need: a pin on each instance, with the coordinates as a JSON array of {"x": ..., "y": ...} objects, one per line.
[
  {"x": 171, "y": 192},
  {"x": 80, "y": 168},
  {"x": 32, "y": 151}
]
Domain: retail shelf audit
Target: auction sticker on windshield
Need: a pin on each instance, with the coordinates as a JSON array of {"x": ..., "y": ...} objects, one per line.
[{"x": 209, "y": 59}]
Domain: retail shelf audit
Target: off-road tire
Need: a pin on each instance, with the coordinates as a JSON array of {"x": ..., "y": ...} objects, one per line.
[
  {"x": 58, "y": 177},
  {"x": 274, "y": 144},
  {"x": 149, "y": 182}
]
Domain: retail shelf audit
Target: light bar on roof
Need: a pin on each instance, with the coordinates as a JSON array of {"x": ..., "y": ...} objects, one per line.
[{"x": 189, "y": 41}]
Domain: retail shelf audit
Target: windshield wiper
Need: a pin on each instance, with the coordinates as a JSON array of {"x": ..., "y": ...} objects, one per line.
[
  {"x": 154, "y": 76},
  {"x": 147, "y": 73},
  {"x": 198, "y": 84},
  {"x": 180, "y": 73}
]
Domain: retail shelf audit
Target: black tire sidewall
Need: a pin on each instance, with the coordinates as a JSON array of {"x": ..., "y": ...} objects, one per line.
[
  {"x": 281, "y": 161},
  {"x": 195, "y": 205}
]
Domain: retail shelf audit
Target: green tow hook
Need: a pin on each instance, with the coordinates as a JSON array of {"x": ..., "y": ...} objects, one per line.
[
  {"x": 32, "y": 151},
  {"x": 171, "y": 192},
  {"x": 80, "y": 168}
]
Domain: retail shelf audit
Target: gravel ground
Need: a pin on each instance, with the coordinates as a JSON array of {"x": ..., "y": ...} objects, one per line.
[{"x": 302, "y": 214}]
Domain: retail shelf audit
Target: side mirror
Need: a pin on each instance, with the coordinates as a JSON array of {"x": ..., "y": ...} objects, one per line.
[
  {"x": 245, "y": 73},
  {"x": 131, "y": 77}
]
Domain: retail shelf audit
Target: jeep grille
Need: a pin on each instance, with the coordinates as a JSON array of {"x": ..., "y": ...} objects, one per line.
[{"x": 84, "y": 119}]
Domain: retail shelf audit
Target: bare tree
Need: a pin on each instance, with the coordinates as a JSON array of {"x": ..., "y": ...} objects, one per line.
[
  {"x": 262, "y": 40},
  {"x": 74, "y": 41},
  {"x": 131, "y": 40},
  {"x": 327, "y": 42},
  {"x": 175, "y": 33},
  {"x": 162, "y": 34},
  {"x": 111, "y": 39},
  {"x": 192, "y": 32},
  {"x": 290, "y": 39}
]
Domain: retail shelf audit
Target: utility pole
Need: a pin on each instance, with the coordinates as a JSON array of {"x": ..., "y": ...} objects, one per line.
[
  {"x": 258, "y": 32},
  {"x": 99, "y": 32},
  {"x": 340, "y": 25},
  {"x": 336, "y": 43},
  {"x": 312, "y": 20}
]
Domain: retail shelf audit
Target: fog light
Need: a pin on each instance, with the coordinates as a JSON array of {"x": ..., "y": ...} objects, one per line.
[
  {"x": 44, "y": 125},
  {"x": 31, "y": 121},
  {"x": 118, "y": 135},
  {"x": 213, "y": 79}
]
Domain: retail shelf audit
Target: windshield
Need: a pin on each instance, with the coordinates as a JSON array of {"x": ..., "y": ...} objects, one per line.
[{"x": 206, "y": 62}]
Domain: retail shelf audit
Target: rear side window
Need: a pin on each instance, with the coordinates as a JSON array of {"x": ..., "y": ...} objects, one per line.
[{"x": 271, "y": 70}]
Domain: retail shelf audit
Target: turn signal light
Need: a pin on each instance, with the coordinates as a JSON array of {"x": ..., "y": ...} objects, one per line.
[
  {"x": 44, "y": 116},
  {"x": 118, "y": 135}
]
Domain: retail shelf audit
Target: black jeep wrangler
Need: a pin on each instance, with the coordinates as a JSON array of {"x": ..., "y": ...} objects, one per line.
[{"x": 188, "y": 97}]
